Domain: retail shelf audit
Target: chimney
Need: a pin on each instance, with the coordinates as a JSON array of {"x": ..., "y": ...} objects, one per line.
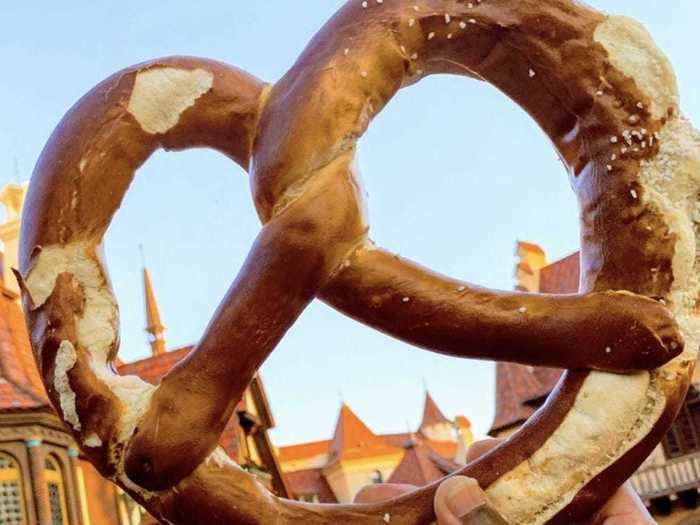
[
  {"x": 531, "y": 259},
  {"x": 12, "y": 198}
]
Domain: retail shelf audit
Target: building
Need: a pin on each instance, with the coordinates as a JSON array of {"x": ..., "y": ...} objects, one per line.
[
  {"x": 43, "y": 479},
  {"x": 669, "y": 480},
  {"x": 334, "y": 470}
]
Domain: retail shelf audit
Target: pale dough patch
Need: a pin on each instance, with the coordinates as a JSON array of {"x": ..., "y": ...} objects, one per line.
[
  {"x": 632, "y": 51},
  {"x": 162, "y": 94},
  {"x": 66, "y": 358},
  {"x": 605, "y": 421},
  {"x": 97, "y": 328}
]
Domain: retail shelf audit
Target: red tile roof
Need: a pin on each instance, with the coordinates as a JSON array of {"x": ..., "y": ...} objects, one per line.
[
  {"x": 432, "y": 415},
  {"x": 354, "y": 440},
  {"x": 399, "y": 440},
  {"x": 420, "y": 466},
  {"x": 447, "y": 466},
  {"x": 13, "y": 398},
  {"x": 521, "y": 389},
  {"x": 547, "y": 378},
  {"x": 304, "y": 450},
  {"x": 422, "y": 459},
  {"x": 517, "y": 387},
  {"x": 562, "y": 276},
  {"x": 152, "y": 369},
  {"x": 309, "y": 482},
  {"x": 20, "y": 384},
  {"x": 446, "y": 449}
]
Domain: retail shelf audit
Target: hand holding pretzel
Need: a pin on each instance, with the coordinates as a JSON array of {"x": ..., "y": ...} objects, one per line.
[
  {"x": 598, "y": 87},
  {"x": 460, "y": 500}
]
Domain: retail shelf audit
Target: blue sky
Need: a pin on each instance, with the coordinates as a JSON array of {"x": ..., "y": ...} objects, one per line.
[{"x": 455, "y": 174}]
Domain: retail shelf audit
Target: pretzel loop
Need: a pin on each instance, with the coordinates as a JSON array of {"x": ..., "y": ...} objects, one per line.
[{"x": 617, "y": 128}]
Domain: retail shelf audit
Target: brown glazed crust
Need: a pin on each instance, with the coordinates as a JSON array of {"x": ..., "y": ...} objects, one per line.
[
  {"x": 411, "y": 303},
  {"x": 298, "y": 138}
]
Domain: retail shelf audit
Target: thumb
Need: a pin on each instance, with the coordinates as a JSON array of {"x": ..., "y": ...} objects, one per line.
[{"x": 460, "y": 501}]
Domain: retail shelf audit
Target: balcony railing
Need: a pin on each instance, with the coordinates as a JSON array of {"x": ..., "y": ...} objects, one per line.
[{"x": 673, "y": 476}]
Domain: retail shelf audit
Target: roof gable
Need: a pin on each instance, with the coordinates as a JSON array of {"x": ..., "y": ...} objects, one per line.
[
  {"x": 432, "y": 415},
  {"x": 353, "y": 439},
  {"x": 420, "y": 466}
]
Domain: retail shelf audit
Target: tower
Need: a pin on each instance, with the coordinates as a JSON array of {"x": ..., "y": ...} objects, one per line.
[
  {"x": 154, "y": 325},
  {"x": 531, "y": 259},
  {"x": 12, "y": 198},
  {"x": 434, "y": 424}
]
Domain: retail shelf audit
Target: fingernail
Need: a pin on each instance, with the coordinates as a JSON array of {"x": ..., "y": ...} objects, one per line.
[
  {"x": 464, "y": 496},
  {"x": 484, "y": 515}
]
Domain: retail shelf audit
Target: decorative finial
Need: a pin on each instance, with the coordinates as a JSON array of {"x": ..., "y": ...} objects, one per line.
[{"x": 143, "y": 255}]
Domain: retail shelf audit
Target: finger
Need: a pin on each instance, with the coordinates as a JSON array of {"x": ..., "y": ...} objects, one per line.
[
  {"x": 379, "y": 493},
  {"x": 456, "y": 499},
  {"x": 484, "y": 515},
  {"x": 624, "y": 508},
  {"x": 480, "y": 448}
]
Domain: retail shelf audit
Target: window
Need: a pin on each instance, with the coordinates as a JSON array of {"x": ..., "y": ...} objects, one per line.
[
  {"x": 11, "y": 498},
  {"x": 57, "y": 497},
  {"x": 684, "y": 436}
]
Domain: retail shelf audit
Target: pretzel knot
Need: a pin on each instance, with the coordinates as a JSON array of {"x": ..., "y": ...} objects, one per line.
[{"x": 598, "y": 87}]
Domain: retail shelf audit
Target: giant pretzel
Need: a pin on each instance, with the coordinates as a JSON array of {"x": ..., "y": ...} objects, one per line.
[{"x": 599, "y": 88}]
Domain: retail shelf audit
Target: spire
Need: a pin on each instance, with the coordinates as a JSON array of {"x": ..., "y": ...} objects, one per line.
[
  {"x": 351, "y": 435},
  {"x": 154, "y": 326},
  {"x": 432, "y": 415}
]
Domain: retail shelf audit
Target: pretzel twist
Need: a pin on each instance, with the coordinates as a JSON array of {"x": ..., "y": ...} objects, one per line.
[{"x": 596, "y": 85}]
